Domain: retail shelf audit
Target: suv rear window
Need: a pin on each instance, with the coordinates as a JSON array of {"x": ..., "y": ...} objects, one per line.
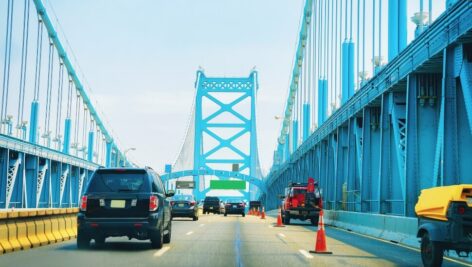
[
  {"x": 118, "y": 182},
  {"x": 212, "y": 199}
]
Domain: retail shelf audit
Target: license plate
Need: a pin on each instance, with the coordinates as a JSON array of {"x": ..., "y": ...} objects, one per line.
[
  {"x": 118, "y": 204},
  {"x": 211, "y": 208},
  {"x": 235, "y": 206},
  {"x": 181, "y": 205}
]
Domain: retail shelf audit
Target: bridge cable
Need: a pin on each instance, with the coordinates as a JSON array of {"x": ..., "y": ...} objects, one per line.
[
  {"x": 77, "y": 120},
  {"x": 49, "y": 91},
  {"x": 357, "y": 46},
  {"x": 59, "y": 103},
  {"x": 69, "y": 98},
  {"x": 6, "y": 64},
  {"x": 39, "y": 49},
  {"x": 380, "y": 33},
  {"x": 337, "y": 44},
  {"x": 84, "y": 131},
  {"x": 24, "y": 59},
  {"x": 363, "y": 40},
  {"x": 373, "y": 37}
]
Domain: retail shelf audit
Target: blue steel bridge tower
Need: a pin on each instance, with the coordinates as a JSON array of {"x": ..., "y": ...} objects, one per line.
[{"x": 221, "y": 139}]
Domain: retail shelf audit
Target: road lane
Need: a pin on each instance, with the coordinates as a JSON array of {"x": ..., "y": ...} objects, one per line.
[{"x": 216, "y": 240}]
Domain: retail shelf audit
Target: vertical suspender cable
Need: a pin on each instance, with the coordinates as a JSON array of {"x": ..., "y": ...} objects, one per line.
[
  {"x": 430, "y": 9},
  {"x": 335, "y": 45},
  {"x": 351, "y": 20},
  {"x": 332, "y": 47},
  {"x": 59, "y": 101},
  {"x": 39, "y": 53},
  {"x": 358, "y": 45},
  {"x": 49, "y": 89},
  {"x": 6, "y": 64},
  {"x": 69, "y": 98},
  {"x": 363, "y": 36},
  {"x": 373, "y": 37},
  {"x": 77, "y": 121},
  {"x": 380, "y": 33},
  {"x": 84, "y": 132},
  {"x": 24, "y": 60}
]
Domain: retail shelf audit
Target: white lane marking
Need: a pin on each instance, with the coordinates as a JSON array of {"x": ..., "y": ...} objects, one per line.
[
  {"x": 305, "y": 253},
  {"x": 161, "y": 251},
  {"x": 201, "y": 225},
  {"x": 281, "y": 235},
  {"x": 189, "y": 233},
  {"x": 271, "y": 226}
]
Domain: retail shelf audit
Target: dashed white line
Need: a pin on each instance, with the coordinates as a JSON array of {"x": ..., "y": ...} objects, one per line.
[
  {"x": 161, "y": 251},
  {"x": 271, "y": 226},
  {"x": 189, "y": 233},
  {"x": 201, "y": 225},
  {"x": 281, "y": 235},
  {"x": 305, "y": 253}
]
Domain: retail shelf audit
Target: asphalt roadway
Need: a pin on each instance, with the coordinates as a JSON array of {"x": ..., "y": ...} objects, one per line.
[{"x": 215, "y": 240}]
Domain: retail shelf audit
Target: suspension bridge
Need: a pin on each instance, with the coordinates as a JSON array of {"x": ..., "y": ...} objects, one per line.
[{"x": 374, "y": 115}]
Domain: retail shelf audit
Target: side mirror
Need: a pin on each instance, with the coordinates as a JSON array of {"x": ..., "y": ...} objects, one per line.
[{"x": 170, "y": 193}]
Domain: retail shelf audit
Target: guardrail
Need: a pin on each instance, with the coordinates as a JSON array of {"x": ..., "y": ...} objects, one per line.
[{"x": 25, "y": 229}]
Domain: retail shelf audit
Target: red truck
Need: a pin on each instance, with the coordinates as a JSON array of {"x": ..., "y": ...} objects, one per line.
[{"x": 301, "y": 201}]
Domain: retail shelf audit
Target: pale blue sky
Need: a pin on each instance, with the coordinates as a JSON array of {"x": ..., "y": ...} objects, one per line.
[
  {"x": 140, "y": 57},
  {"x": 138, "y": 60}
]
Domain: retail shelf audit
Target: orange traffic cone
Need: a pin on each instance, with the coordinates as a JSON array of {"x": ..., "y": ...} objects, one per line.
[
  {"x": 263, "y": 213},
  {"x": 320, "y": 246},
  {"x": 279, "y": 220},
  {"x": 258, "y": 213}
]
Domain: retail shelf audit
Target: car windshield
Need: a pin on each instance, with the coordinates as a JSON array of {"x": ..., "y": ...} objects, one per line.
[
  {"x": 234, "y": 201},
  {"x": 117, "y": 182},
  {"x": 183, "y": 197}
]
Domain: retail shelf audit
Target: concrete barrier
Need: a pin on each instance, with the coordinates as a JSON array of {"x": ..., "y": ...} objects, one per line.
[{"x": 25, "y": 229}]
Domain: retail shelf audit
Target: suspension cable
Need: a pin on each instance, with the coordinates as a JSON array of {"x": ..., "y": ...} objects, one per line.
[
  {"x": 24, "y": 60},
  {"x": 59, "y": 100},
  {"x": 358, "y": 45},
  {"x": 69, "y": 98},
  {"x": 77, "y": 119},
  {"x": 380, "y": 33},
  {"x": 6, "y": 63},
  {"x": 373, "y": 37},
  {"x": 39, "y": 52},
  {"x": 49, "y": 88}
]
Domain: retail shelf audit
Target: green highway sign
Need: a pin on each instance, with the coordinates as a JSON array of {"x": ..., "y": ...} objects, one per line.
[{"x": 228, "y": 184}]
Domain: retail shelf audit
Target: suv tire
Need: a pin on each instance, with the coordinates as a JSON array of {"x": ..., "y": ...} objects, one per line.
[
  {"x": 157, "y": 238},
  {"x": 166, "y": 238},
  {"x": 83, "y": 241},
  {"x": 286, "y": 219},
  {"x": 244, "y": 214},
  {"x": 314, "y": 221}
]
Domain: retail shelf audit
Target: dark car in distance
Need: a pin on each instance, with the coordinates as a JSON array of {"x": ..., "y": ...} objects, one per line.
[
  {"x": 184, "y": 206},
  {"x": 211, "y": 204},
  {"x": 128, "y": 202},
  {"x": 235, "y": 206}
]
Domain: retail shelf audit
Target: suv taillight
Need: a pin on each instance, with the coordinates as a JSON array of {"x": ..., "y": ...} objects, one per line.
[
  {"x": 153, "y": 203},
  {"x": 83, "y": 203},
  {"x": 192, "y": 203},
  {"x": 461, "y": 210}
]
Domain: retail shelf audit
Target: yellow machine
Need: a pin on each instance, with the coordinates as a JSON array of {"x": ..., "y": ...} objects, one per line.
[{"x": 444, "y": 222}]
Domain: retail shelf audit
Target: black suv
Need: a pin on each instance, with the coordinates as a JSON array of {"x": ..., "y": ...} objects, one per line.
[
  {"x": 124, "y": 202},
  {"x": 211, "y": 204}
]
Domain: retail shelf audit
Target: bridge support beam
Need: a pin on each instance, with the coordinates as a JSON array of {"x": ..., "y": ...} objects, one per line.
[
  {"x": 294, "y": 135},
  {"x": 67, "y": 128},
  {"x": 33, "y": 132},
  {"x": 397, "y": 29},
  {"x": 91, "y": 137},
  {"x": 322, "y": 100},
  {"x": 347, "y": 63},
  {"x": 306, "y": 121}
]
